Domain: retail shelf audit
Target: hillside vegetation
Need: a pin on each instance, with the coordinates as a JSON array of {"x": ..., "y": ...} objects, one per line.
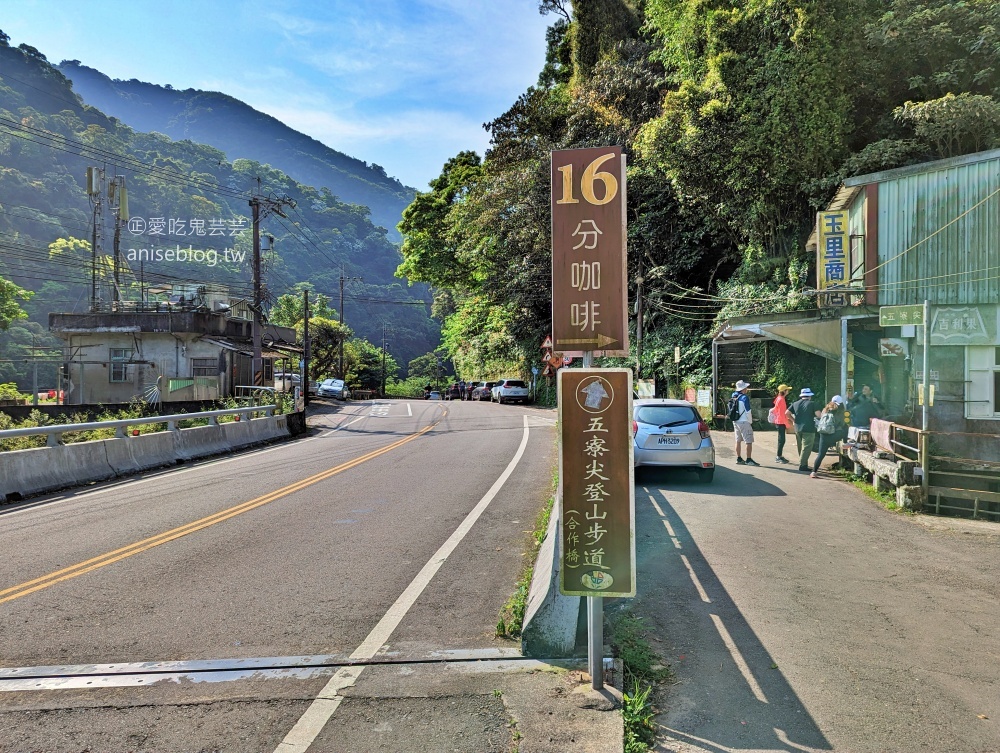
[
  {"x": 48, "y": 138},
  {"x": 240, "y": 131},
  {"x": 738, "y": 119}
]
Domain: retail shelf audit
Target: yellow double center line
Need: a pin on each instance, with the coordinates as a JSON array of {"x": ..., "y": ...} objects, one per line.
[{"x": 95, "y": 563}]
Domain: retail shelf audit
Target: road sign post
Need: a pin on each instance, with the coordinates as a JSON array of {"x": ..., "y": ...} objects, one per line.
[
  {"x": 598, "y": 496},
  {"x": 590, "y": 317}
]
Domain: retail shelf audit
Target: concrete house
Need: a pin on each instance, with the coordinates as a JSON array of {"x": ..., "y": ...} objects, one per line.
[{"x": 194, "y": 345}]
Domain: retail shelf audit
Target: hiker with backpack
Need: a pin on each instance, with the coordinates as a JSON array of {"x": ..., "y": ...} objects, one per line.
[
  {"x": 742, "y": 418},
  {"x": 830, "y": 427},
  {"x": 803, "y": 413}
]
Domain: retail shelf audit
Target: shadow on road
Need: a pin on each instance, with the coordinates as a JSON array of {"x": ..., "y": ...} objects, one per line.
[
  {"x": 729, "y": 693},
  {"x": 722, "y": 485}
]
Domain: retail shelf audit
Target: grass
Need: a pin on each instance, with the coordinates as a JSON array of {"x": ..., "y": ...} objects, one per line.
[
  {"x": 885, "y": 499},
  {"x": 642, "y": 669},
  {"x": 511, "y": 618},
  {"x": 638, "y": 713}
]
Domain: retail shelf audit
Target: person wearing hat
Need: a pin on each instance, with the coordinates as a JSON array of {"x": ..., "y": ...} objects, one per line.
[
  {"x": 743, "y": 426},
  {"x": 781, "y": 420},
  {"x": 804, "y": 412},
  {"x": 826, "y": 441}
]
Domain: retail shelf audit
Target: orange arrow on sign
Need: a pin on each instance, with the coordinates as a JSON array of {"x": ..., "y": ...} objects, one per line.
[{"x": 600, "y": 341}]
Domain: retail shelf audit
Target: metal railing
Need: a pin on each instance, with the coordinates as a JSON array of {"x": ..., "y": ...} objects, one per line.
[
  {"x": 954, "y": 478},
  {"x": 54, "y": 432}
]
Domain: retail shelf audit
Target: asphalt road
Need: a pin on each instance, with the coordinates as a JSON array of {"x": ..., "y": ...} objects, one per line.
[
  {"x": 798, "y": 615},
  {"x": 396, "y": 530}
]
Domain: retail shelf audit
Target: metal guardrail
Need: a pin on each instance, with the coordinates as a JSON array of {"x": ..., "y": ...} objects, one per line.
[{"x": 54, "y": 433}]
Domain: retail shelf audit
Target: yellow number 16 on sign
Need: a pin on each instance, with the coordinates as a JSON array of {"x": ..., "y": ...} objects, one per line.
[{"x": 590, "y": 176}]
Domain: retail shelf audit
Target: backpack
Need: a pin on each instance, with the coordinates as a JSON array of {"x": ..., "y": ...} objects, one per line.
[
  {"x": 826, "y": 424},
  {"x": 734, "y": 409}
]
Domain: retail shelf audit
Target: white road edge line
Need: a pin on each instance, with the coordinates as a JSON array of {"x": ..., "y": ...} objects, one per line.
[
  {"x": 738, "y": 658},
  {"x": 305, "y": 731},
  {"x": 697, "y": 583}
]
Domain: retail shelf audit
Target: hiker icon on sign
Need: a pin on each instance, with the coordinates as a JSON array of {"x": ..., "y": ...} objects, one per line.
[{"x": 596, "y": 395}]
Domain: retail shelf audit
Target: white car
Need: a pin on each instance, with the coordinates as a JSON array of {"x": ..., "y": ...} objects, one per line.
[
  {"x": 510, "y": 391},
  {"x": 333, "y": 388},
  {"x": 672, "y": 433}
]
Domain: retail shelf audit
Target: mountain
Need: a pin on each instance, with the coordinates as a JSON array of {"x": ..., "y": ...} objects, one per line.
[
  {"x": 49, "y": 138},
  {"x": 240, "y": 131}
]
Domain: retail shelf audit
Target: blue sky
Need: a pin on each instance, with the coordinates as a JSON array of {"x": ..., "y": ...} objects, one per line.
[{"x": 405, "y": 84}]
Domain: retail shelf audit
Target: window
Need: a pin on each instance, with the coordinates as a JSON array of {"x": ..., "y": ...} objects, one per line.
[
  {"x": 666, "y": 415},
  {"x": 268, "y": 369},
  {"x": 982, "y": 381},
  {"x": 204, "y": 367},
  {"x": 120, "y": 359}
]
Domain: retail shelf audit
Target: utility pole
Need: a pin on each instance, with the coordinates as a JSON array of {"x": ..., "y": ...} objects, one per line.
[
  {"x": 95, "y": 192},
  {"x": 305, "y": 348},
  {"x": 261, "y": 207},
  {"x": 118, "y": 199},
  {"x": 638, "y": 322},
  {"x": 342, "y": 280},
  {"x": 383, "y": 359}
]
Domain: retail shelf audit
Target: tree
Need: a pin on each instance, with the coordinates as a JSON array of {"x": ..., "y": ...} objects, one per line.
[
  {"x": 364, "y": 365},
  {"x": 325, "y": 337},
  {"x": 430, "y": 246},
  {"x": 423, "y": 367},
  {"x": 289, "y": 309},
  {"x": 10, "y": 294}
]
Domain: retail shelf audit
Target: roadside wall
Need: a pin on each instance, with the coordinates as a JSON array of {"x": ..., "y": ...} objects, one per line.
[
  {"x": 550, "y": 621},
  {"x": 42, "y": 469}
]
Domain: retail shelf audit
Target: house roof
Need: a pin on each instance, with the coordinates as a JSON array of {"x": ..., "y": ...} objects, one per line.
[
  {"x": 923, "y": 167},
  {"x": 274, "y": 350}
]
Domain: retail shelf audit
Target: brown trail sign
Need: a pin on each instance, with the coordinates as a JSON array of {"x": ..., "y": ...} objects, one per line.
[
  {"x": 589, "y": 297},
  {"x": 598, "y": 496}
]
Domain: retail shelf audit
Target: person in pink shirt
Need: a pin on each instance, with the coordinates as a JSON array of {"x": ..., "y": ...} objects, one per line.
[{"x": 781, "y": 419}]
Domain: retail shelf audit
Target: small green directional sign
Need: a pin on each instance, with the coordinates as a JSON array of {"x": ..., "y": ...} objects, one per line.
[{"x": 899, "y": 316}]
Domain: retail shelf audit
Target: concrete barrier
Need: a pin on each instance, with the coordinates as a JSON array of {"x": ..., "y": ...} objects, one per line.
[
  {"x": 238, "y": 433},
  {"x": 151, "y": 450},
  {"x": 550, "y": 621},
  {"x": 199, "y": 441},
  {"x": 43, "y": 469}
]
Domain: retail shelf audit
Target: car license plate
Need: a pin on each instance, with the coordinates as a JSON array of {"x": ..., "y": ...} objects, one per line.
[{"x": 667, "y": 440}]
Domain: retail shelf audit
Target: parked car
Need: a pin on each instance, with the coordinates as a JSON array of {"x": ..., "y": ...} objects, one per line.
[
  {"x": 286, "y": 381},
  {"x": 433, "y": 395},
  {"x": 453, "y": 392},
  {"x": 672, "y": 433},
  {"x": 334, "y": 388},
  {"x": 482, "y": 391},
  {"x": 510, "y": 391}
]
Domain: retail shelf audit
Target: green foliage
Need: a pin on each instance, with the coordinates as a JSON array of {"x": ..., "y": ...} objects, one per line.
[
  {"x": 368, "y": 367},
  {"x": 10, "y": 294},
  {"x": 954, "y": 125},
  {"x": 785, "y": 365},
  {"x": 289, "y": 309},
  {"x": 637, "y": 715},
  {"x": 9, "y": 391},
  {"x": 424, "y": 367},
  {"x": 234, "y": 128},
  {"x": 325, "y": 338}
]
